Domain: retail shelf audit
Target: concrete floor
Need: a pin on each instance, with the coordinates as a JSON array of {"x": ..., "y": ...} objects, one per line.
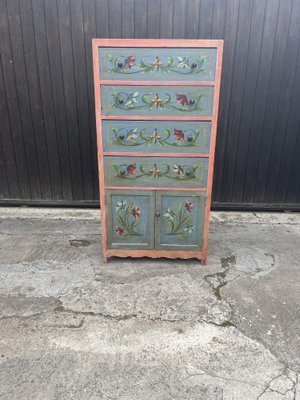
[{"x": 74, "y": 328}]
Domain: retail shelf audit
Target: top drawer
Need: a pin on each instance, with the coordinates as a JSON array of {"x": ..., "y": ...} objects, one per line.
[{"x": 155, "y": 64}]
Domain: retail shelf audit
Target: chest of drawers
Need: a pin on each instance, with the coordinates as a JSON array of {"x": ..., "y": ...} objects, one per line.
[{"x": 156, "y": 116}]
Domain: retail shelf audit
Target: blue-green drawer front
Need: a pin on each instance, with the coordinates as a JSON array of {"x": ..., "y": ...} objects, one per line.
[
  {"x": 156, "y": 136},
  {"x": 157, "y": 100},
  {"x": 153, "y": 64},
  {"x": 156, "y": 172}
]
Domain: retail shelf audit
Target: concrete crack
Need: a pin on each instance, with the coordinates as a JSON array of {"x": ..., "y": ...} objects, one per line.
[
  {"x": 218, "y": 280},
  {"x": 222, "y": 378},
  {"x": 268, "y": 388}
]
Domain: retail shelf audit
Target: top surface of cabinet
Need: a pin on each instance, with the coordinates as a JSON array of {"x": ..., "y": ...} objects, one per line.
[{"x": 156, "y": 64}]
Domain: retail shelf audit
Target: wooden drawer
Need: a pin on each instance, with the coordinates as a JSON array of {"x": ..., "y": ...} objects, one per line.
[
  {"x": 156, "y": 172},
  {"x": 157, "y": 100},
  {"x": 154, "y": 64},
  {"x": 156, "y": 136}
]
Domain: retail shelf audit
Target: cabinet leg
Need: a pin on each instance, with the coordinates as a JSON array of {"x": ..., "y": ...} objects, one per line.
[
  {"x": 104, "y": 259},
  {"x": 203, "y": 261}
]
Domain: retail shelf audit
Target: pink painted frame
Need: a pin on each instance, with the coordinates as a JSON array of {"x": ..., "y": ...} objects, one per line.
[{"x": 163, "y": 43}]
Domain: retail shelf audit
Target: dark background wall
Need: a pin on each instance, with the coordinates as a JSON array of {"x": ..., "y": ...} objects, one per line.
[{"x": 47, "y": 122}]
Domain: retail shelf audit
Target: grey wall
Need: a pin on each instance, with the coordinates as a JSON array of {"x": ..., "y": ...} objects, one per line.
[{"x": 47, "y": 123}]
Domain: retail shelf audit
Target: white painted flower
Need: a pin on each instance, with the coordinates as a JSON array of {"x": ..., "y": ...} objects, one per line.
[
  {"x": 169, "y": 214},
  {"x": 183, "y": 63},
  {"x": 131, "y": 134},
  {"x": 121, "y": 205},
  {"x": 189, "y": 229}
]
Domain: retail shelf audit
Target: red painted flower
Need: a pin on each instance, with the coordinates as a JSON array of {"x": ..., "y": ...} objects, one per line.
[
  {"x": 178, "y": 134},
  {"x": 129, "y": 61},
  {"x": 131, "y": 169},
  {"x": 120, "y": 231},
  {"x": 136, "y": 212},
  {"x": 189, "y": 206},
  {"x": 181, "y": 99}
]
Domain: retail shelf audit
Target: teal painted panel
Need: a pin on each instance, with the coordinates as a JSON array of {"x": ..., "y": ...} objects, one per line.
[
  {"x": 130, "y": 219},
  {"x": 156, "y": 172},
  {"x": 157, "y": 100},
  {"x": 153, "y": 64},
  {"x": 156, "y": 136},
  {"x": 181, "y": 222}
]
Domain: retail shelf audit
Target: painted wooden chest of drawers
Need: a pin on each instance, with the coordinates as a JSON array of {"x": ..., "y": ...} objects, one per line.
[{"x": 156, "y": 116}]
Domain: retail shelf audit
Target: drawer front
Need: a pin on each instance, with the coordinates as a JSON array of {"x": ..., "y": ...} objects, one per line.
[
  {"x": 180, "y": 225},
  {"x": 153, "y": 64},
  {"x": 156, "y": 136},
  {"x": 157, "y": 100},
  {"x": 156, "y": 172},
  {"x": 130, "y": 219}
]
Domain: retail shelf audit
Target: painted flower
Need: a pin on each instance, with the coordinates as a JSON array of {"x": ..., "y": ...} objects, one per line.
[
  {"x": 178, "y": 169},
  {"x": 120, "y": 231},
  {"x": 131, "y": 169},
  {"x": 157, "y": 100},
  {"x": 129, "y": 61},
  {"x": 189, "y": 206},
  {"x": 189, "y": 229},
  {"x": 155, "y": 137},
  {"x": 181, "y": 99},
  {"x": 154, "y": 171},
  {"x": 131, "y": 134},
  {"x": 157, "y": 63},
  {"x": 183, "y": 63},
  {"x": 136, "y": 212},
  {"x": 131, "y": 99},
  {"x": 178, "y": 134},
  {"x": 169, "y": 214},
  {"x": 121, "y": 205}
]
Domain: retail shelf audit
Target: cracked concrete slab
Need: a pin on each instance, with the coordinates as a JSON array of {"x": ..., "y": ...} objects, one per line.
[
  {"x": 74, "y": 328},
  {"x": 131, "y": 359}
]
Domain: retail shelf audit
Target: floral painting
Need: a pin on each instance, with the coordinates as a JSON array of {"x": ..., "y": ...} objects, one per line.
[
  {"x": 128, "y": 219},
  {"x": 164, "y": 137},
  {"x": 179, "y": 220},
  {"x": 181, "y": 65},
  {"x": 154, "y": 101},
  {"x": 146, "y": 171}
]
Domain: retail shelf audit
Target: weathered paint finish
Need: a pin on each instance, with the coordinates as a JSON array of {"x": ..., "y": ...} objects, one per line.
[
  {"x": 130, "y": 219},
  {"x": 181, "y": 220},
  {"x": 154, "y": 64},
  {"x": 156, "y": 136},
  {"x": 156, "y": 100},
  {"x": 152, "y": 171},
  {"x": 179, "y": 209}
]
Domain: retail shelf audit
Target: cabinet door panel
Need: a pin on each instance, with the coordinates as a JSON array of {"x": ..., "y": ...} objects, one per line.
[
  {"x": 180, "y": 224},
  {"x": 156, "y": 172},
  {"x": 157, "y": 100},
  {"x": 154, "y": 64},
  {"x": 156, "y": 136},
  {"x": 130, "y": 219}
]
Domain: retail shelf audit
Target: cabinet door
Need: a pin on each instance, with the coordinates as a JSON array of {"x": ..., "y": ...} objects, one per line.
[
  {"x": 130, "y": 219},
  {"x": 179, "y": 221}
]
